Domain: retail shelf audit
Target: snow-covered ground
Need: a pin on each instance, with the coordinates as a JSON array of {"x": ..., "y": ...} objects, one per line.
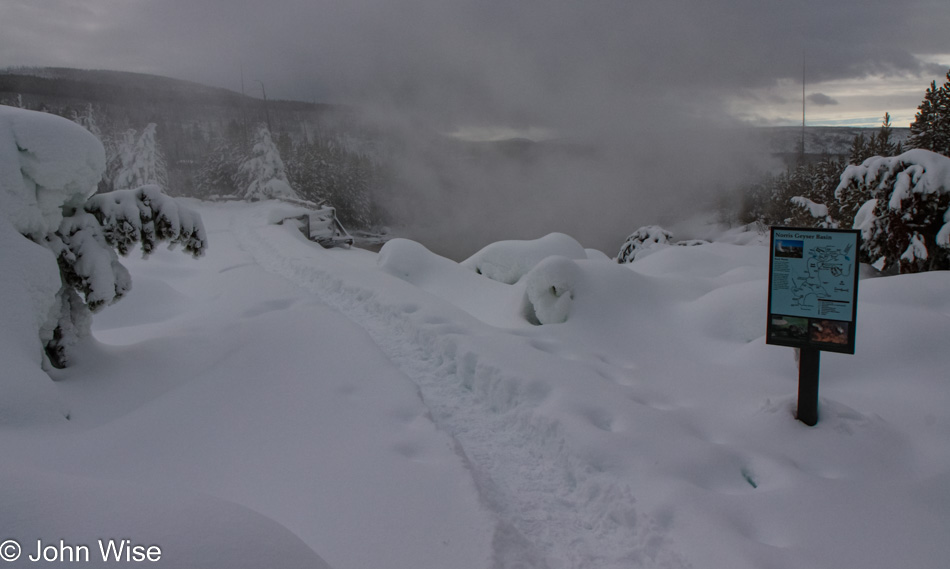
[{"x": 277, "y": 404}]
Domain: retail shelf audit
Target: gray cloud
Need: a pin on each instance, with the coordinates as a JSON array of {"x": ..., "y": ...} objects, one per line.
[
  {"x": 821, "y": 99},
  {"x": 531, "y": 60}
]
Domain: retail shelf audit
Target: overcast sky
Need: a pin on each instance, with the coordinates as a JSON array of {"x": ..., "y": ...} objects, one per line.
[{"x": 561, "y": 64}]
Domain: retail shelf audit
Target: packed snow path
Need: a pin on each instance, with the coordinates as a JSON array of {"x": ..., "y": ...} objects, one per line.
[{"x": 553, "y": 508}]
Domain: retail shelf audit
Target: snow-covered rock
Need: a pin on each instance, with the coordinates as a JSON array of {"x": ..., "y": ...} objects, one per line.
[
  {"x": 508, "y": 261},
  {"x": 549, "y": 289}
]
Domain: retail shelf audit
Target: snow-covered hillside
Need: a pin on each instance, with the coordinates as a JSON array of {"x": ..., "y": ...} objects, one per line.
[{"x": 275, "y": 404}]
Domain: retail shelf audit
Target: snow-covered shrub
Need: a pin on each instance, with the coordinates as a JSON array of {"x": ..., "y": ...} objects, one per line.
[
  {"x": 49, "y": 168},
  {"x": 644, "y": 241},
  {"x": 818, "y": 215},
  {"x": 909, "y": 226},
  {"x": 549, "y": 290},
  {"x": 262, "y": 173},
  {"x": 508, "y": 261}
]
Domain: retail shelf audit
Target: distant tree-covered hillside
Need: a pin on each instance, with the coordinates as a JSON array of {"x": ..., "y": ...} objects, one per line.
[{"x": 195, "y": 135}]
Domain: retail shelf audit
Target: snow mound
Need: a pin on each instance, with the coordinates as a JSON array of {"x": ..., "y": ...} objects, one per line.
[
  {"x": 508, "y": 261},
  {"x": 46, "y": 163},
  {"x": 597, "y": 255},
  {"x": 490, "y": 301},
  {"x": 408, "y": 259},
  {"x": 549, "y": 289}
]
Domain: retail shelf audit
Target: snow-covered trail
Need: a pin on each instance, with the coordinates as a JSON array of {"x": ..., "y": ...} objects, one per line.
[{"x": 556, "y": 505}]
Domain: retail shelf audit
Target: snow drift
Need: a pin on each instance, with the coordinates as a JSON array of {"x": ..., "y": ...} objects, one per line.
[{"x": 508, "y": 261}]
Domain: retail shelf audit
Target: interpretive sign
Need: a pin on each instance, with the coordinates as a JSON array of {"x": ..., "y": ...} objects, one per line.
[{"x": 813, "y": 288}]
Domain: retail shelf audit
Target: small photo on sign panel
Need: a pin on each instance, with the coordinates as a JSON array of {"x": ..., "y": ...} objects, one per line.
[
  {"x": 829, "y": 331},
  {"x": 789, "y": 248},
  {"x": 789, "y": 327}
]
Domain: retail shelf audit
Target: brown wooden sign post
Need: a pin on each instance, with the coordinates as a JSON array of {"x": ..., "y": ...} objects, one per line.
[{"x": 813, "y": 293}]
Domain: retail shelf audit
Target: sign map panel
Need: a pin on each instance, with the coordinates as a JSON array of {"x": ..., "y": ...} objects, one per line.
[{"x": 813, "y": 288}]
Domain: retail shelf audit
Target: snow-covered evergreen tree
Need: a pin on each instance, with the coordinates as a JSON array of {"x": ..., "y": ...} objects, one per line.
[
  {"x": 49, "y": 168},
  {"x": 814, "y": 189},
  {"x": 801, "y": 197},
  {"x": 905, "y": 221},
  {"x": 931, "y": 127},
  {"x": 87, "y": 119},
  {"x": 119, "y": 151},
  {"x": 859, "y": 150},
  {"x": 141, "y": 161},
  {"x": 881, "y": 144},
  {"x": 328, "y": 170},
  {"x": 262, "y": 173},
  {"x": 219, "y": 173}
]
